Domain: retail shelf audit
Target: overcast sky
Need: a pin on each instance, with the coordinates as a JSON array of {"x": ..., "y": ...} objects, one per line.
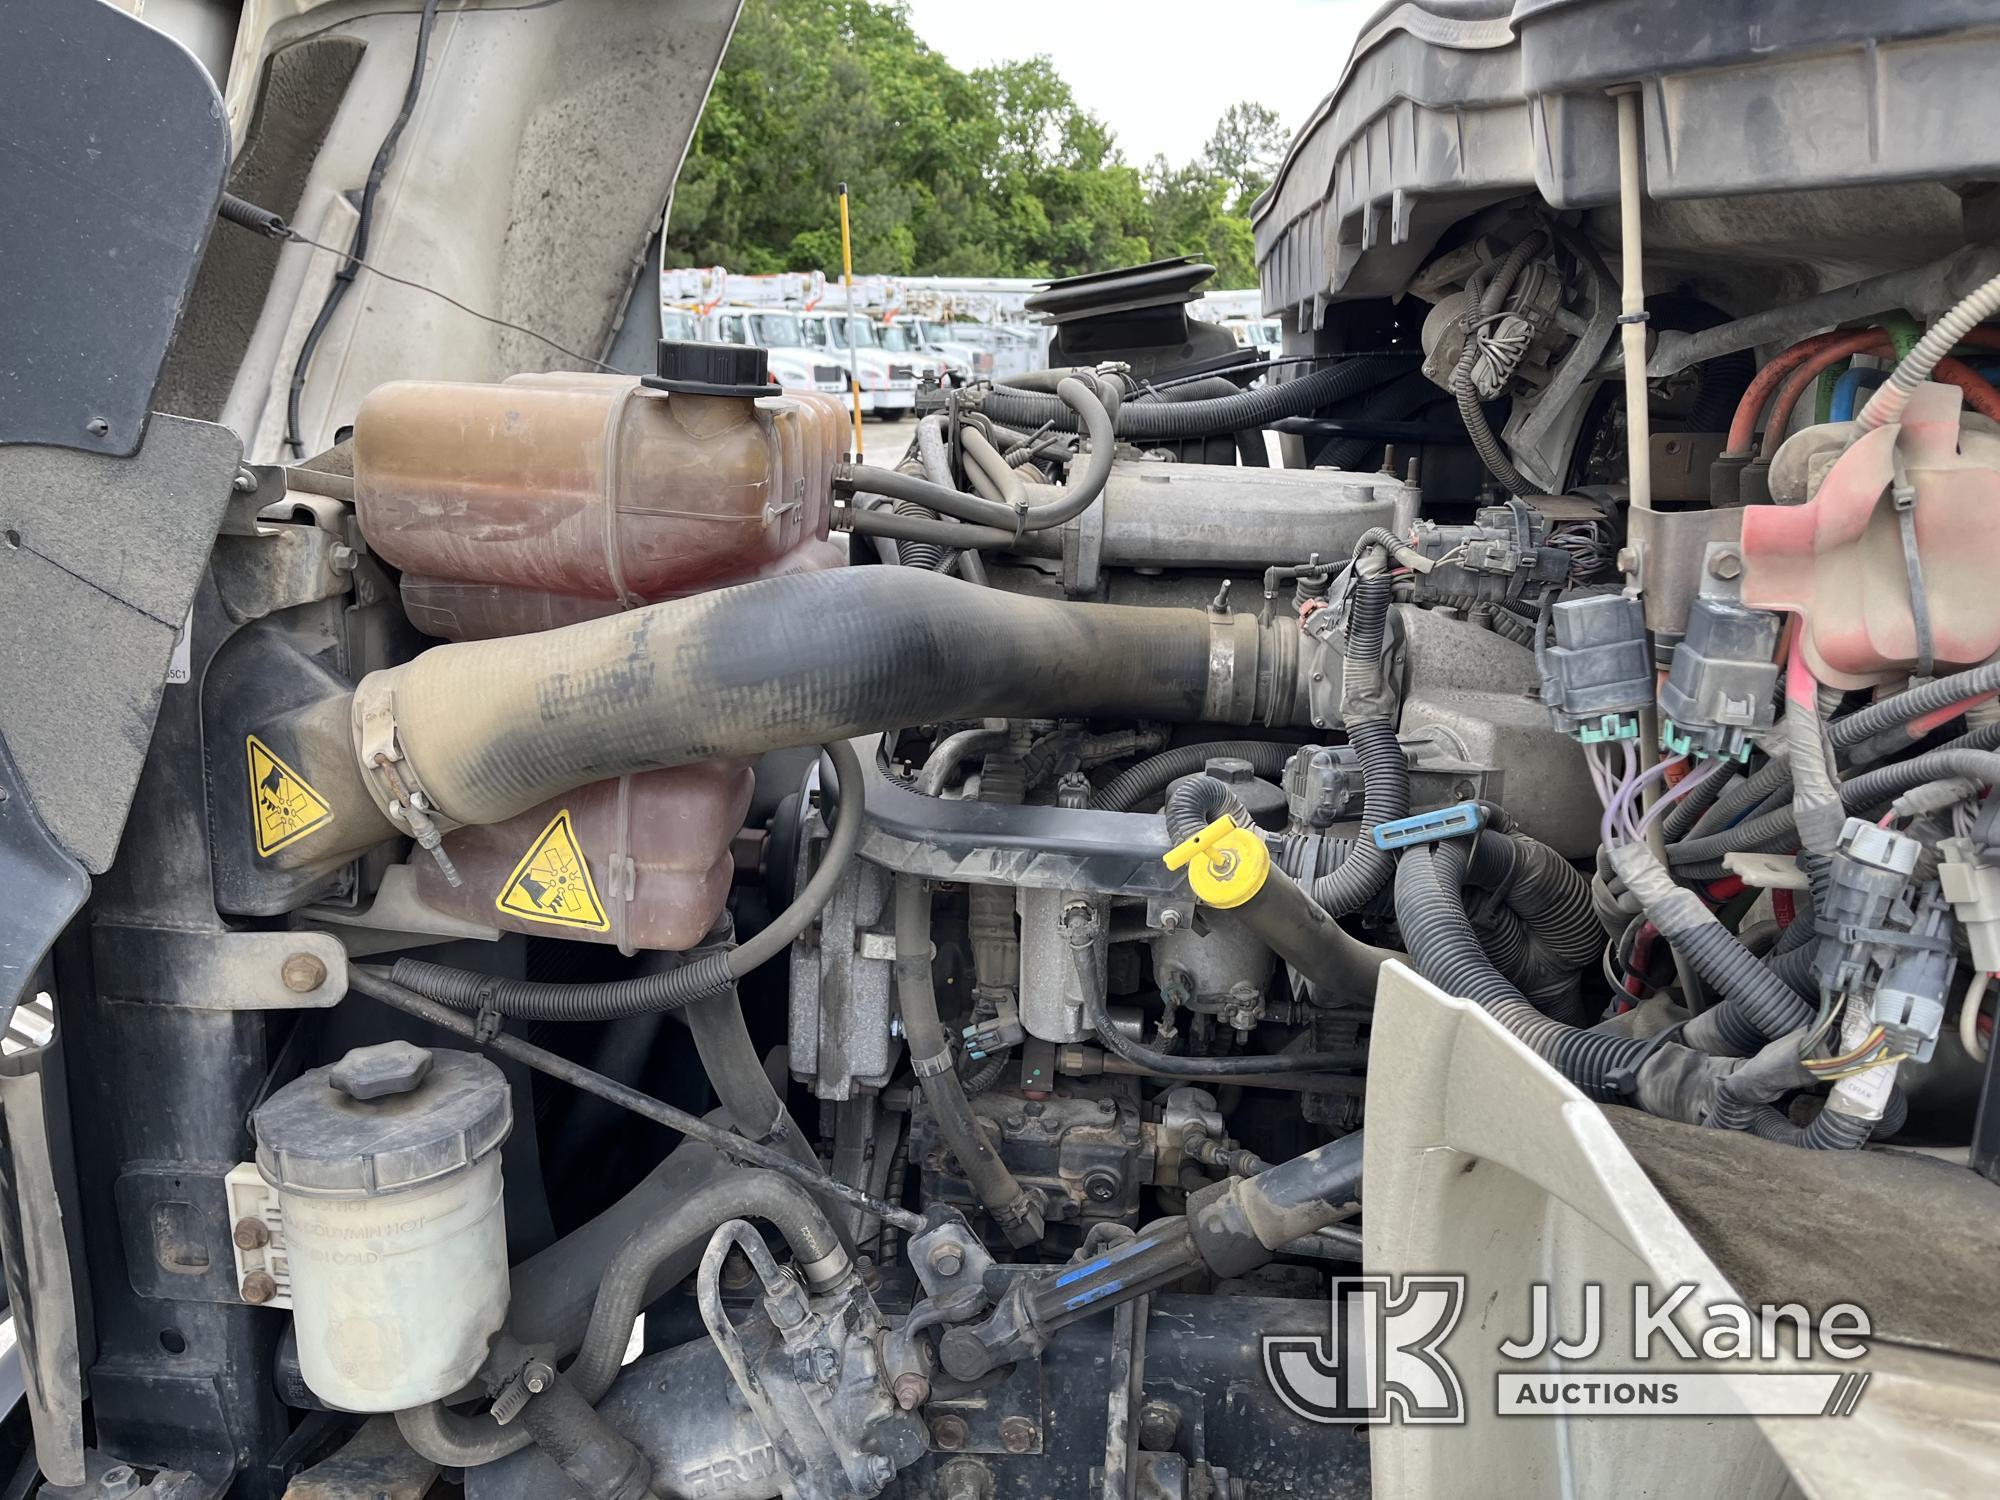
[{"x": 1161, "y": 72}]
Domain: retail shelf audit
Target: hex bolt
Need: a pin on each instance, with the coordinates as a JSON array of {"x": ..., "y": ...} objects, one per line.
[
  {"x": 1170, "y": 919},
  {"x": 965, "y": 1479},
  {"x": 1101, "y": 1185},
  {"x": 1727, "y": 563},
  {"x": 947, "y": 1259},
  {"x": 303, "y": 973},
  {"x": 816, "y": 1365},
  {"x": 117, "y": 1482},
  {"x": 537, "y": 1375},
  {"x": 258, "y": 1288},
  {"x": 1018, "y": 1435},
  {"x": 251, "y": 1234},
  {"x": 948, "y": 1432}
]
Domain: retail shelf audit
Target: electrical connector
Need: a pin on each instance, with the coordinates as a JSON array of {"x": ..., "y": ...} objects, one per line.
[
  {"x": 1972, "y": 886},
  {"x": 1723, "y": 682},
  {"x": 1502, "y": 555},
  {"x": 1320, "y": 783},
  {"x": 997, "y": 1034},
  {"x": 1910, "y": 996},
  {"x": 1597, "y": 676},
  {"x": 1868, "y": 878}
]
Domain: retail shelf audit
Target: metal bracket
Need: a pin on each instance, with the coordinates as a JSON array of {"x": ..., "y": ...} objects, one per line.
[{"x": 220, "y": 970}]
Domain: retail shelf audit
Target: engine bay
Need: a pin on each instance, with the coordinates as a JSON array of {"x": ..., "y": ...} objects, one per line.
[{"x": 652, "y": 954}]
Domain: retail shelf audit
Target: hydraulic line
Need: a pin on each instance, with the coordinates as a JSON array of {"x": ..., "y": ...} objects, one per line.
[
  {"x": 1014, "y": 513},
  {"x": 1018, "y": 1214},
  {"x": 445, "y": 1437}
]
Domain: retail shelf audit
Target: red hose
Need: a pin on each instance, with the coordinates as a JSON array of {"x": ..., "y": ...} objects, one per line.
[
  {"x": 1980, "y": 394},
  {"x": 1743, "y": 428}
]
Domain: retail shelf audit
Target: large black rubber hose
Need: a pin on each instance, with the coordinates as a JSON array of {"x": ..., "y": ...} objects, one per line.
[
  {"x": 1430, "y": 909},
  {"x": 600, "y": 1462},
  {"x": 743, "y": 1194},
  {"x": 1017, "y": 1214},
  {"x": 630, "y": 1282},
  {"x": 675, "y": 989},
  {"x": 493, "y": 728},
  {"x": 1191, "y": 419}
]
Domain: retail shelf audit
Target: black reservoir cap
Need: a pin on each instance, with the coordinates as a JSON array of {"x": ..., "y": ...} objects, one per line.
[{"x": 693, "y": 368}]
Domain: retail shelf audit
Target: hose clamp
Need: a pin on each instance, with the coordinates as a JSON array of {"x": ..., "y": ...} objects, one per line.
[
  {"x": 931, "y": 1067},
  {"x": 390, "y": 775}
]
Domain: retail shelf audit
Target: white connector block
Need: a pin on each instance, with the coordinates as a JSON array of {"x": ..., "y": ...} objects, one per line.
[{"x": 1973, "y": 888}]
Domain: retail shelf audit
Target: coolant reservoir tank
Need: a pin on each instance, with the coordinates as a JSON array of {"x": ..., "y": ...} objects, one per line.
[
  {"x": 593, "y": 488},
  {"x": 387, "y": 1170}
]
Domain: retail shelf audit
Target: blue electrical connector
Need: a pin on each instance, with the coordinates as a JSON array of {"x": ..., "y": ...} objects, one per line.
[{"x": 1430, "y": 827}]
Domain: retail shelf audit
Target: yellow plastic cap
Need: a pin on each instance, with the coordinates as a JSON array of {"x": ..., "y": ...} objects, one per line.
[{"x": 1226, "y": 865}]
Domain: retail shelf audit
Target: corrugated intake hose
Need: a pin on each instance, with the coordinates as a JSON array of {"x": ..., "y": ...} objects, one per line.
[
  {"x": 460, "y": 1442},
  {"x": 1190, "y": 419},
  {"x": 1385, "y": 772},
  {"x": 1430, "y": 909},
  {"x": 492, "y": 728},
  {"x": 1017, "y": 1213},
  {"x": 1197, "y": 801},
  {"x": 1758, "y": 1005},
  {"x": 711, "y": 974},
  {"x": 1550, "y": 932},
  {"x": 1136, "y": 783}
]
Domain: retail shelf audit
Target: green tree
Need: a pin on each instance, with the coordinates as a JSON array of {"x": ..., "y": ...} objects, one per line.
[
  {"x": 1245, "y": 149},
  {"x": 997, "y": 172}
]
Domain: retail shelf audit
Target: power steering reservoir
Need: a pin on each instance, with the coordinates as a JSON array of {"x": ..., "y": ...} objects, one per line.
[{"x": 387, "y": 1170}]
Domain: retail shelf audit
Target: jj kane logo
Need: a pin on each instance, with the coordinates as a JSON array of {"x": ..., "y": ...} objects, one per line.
[{"x": 1383, "y": 1360}]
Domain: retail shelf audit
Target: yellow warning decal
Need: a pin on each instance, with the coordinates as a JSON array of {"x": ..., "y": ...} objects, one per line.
[
  {"x": 552, "y": 882},
  {"x": 283, "y": 806}
]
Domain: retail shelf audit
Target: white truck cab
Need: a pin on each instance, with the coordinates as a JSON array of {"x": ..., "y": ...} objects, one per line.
[
  {"x": 795, "y": 363},
  {"x": 888, "y": 380}
]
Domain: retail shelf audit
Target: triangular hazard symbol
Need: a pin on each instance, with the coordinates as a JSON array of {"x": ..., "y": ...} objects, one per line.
[
  {"x": 283, "y": 806},
  {"x": 552, "y": 882}
]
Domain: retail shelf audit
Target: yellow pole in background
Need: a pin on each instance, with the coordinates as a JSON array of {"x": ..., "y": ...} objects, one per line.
[{"x": 853, "y": 358}]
